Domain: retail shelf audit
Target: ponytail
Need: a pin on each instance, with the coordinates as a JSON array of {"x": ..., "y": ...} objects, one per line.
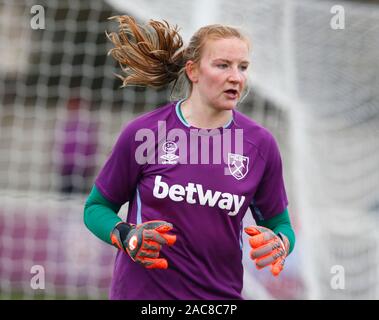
[{"x": 149, "y": 55}]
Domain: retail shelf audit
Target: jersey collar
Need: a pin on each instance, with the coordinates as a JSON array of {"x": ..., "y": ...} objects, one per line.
[{"x": 179, "y": 114}]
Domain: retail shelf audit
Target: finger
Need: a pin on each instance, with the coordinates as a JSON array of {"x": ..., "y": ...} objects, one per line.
[
  {"x": 169, "y": 238},
  {"x": 160, "y": 225},
  {"x": 269, "y": 259},
  {"x": 257, "y": 241},
  {"x": 148, "y": 253},
  {"x": 252, "y": 231},
  {"x": 261, "y": 239},
  {"x": 149, "y": 263},
  {"x": 155, "y": 236},
  {"x": 264, "y": 261},
  {"x": 164, "y": 228},
  {"x": 261, "y": 251},
  {"x": 264, "y": 250},
  {"x": 277, "y": 267},
  {"x": 151, "y": 245}
]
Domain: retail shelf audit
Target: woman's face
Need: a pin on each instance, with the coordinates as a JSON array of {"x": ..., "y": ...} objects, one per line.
[{"x": 221, "y": 74}]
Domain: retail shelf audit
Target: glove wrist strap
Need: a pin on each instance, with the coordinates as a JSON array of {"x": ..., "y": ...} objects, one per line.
[
  {"x": 285, "y": 241},
  {"x": 119, "y": 234}
]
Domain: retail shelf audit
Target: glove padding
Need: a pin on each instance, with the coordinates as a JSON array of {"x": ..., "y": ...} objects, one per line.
[
  {"x": 268, "y": 248},
  {"x": 143, "y": 242}
]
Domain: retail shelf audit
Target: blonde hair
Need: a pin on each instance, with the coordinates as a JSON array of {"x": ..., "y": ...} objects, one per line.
[{"x": 153, "y": 54}]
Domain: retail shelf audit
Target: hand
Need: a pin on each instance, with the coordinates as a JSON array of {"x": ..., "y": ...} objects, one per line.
[
  {"x": 268, "y": 248},
  {"x": 143, "y": 242}
]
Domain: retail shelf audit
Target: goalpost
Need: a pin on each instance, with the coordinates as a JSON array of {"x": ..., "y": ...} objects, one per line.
[{"x": 61, "y": 109}]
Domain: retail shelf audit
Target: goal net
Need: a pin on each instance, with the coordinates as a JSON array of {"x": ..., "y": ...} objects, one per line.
[{"x": 314, "y": 84}]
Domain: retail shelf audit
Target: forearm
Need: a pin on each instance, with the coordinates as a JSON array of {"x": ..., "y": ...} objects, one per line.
[
  {"x": 100, "y": 215},
  {"x": 141, "y": 242}
]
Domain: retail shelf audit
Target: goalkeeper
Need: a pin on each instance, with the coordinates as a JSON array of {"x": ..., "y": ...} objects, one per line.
[{"x": 182, "y": 238}]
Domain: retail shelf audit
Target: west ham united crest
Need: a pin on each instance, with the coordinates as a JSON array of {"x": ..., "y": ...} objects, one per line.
[{"x": 238, "y": 165}]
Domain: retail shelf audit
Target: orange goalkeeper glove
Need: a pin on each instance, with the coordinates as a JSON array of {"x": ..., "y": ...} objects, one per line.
[
  {"x": 144, "y": 241},
  {"x": 268, "y": 248}
]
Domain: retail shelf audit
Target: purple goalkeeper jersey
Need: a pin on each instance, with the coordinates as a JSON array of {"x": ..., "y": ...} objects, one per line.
[{"x": 201, "y": 181}]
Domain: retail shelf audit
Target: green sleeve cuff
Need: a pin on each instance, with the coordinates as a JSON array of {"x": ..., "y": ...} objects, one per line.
[
  {"x": 100, "y": 215},
  {"x": 281, "y": 223}
]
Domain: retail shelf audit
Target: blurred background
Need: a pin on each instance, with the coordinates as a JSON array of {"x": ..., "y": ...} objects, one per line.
[{"x": 314, "y": 84}]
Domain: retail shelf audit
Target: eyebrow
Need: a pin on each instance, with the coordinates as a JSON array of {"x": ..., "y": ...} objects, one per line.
[{"x": 229, "y": 61}]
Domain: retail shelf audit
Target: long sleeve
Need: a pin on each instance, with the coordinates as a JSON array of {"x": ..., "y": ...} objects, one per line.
[{"x": 100, "y": 215}]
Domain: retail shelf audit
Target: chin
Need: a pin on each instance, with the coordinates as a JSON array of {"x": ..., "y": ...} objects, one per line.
[{"x": 228, "y": 105}]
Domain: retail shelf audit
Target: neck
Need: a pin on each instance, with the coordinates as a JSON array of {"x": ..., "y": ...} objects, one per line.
[{"x": 201, "y": 115}]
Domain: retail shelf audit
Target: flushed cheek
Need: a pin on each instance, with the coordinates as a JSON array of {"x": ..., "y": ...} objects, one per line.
[
  {"x": 215, "y": 88},
  {"x": 213, "y": 76},
  {"x": 216, "y": 82}
]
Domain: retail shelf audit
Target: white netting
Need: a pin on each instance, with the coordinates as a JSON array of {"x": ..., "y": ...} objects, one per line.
[
  {"x": 335, "y": 129},
  {"x": 61, "y": 109}
]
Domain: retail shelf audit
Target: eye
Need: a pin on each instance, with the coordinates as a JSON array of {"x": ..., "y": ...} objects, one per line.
[
  {"x": 222, "y": 65},
  {"x": 243, "y": 67}
]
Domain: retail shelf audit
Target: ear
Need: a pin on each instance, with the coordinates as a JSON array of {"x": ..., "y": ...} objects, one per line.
[{"x": 192, "y": 71}]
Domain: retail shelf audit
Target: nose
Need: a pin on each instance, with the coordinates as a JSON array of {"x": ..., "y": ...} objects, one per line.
[{"x": 235, "y": 76}]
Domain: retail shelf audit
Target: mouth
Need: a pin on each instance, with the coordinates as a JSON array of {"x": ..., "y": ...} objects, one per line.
[{"x": 231, "y": 94}]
